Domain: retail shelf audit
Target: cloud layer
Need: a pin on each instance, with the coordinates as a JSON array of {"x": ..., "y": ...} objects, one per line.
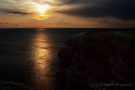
[
  {"x": 122, "y": 9},
  {"x": 9, "y": 11}
]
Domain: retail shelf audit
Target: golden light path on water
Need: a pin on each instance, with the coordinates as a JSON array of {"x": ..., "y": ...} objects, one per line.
[{"x": 42, "y": 56}]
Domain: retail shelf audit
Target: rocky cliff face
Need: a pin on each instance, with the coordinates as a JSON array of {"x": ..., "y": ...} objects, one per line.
[{"x": 98, "y": 61}]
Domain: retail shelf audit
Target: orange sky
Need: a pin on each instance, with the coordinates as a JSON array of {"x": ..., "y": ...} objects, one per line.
[{"x": 32, "y": 13}]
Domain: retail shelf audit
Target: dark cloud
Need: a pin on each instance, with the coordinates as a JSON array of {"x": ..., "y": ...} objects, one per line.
[
  {"x": 9, "y": 11},
  {"x": 74, "y": 1},
  {"x": 122, "y": 9}
]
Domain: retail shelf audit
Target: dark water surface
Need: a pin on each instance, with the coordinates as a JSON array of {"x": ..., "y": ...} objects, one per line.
[{"x": 29, "y": 56}]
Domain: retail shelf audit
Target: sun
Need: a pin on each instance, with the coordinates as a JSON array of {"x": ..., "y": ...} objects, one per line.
[{"x": 41, "y": 9}]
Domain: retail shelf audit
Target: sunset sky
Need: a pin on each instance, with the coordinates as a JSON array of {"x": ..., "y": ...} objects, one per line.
[{"x": 67, "y": 13}]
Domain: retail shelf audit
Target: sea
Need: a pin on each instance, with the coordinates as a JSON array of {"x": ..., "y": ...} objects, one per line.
[{"x": 29, "y": 57}]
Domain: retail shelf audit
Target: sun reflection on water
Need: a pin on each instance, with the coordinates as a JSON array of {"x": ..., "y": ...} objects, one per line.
[{"x": 41, "y": 54}]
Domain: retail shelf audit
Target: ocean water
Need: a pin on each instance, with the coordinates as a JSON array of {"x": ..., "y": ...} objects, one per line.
[{"x": 28, "y": 57}]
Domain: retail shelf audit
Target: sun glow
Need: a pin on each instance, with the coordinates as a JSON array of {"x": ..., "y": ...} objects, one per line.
[{"x": 41, "y": 9}]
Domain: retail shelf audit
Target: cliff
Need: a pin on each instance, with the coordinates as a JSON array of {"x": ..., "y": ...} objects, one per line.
[{"x": 98, "y": 61}]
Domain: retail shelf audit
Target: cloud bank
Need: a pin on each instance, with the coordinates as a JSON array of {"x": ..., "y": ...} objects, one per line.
[
  {"x": 9, "y": 11},
  {"x": 121, "y": 9}
]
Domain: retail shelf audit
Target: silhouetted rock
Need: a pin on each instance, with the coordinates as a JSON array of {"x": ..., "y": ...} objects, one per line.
[
  {"x": 13, "y": 86},
  {"x": 98, "y": 61}
]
